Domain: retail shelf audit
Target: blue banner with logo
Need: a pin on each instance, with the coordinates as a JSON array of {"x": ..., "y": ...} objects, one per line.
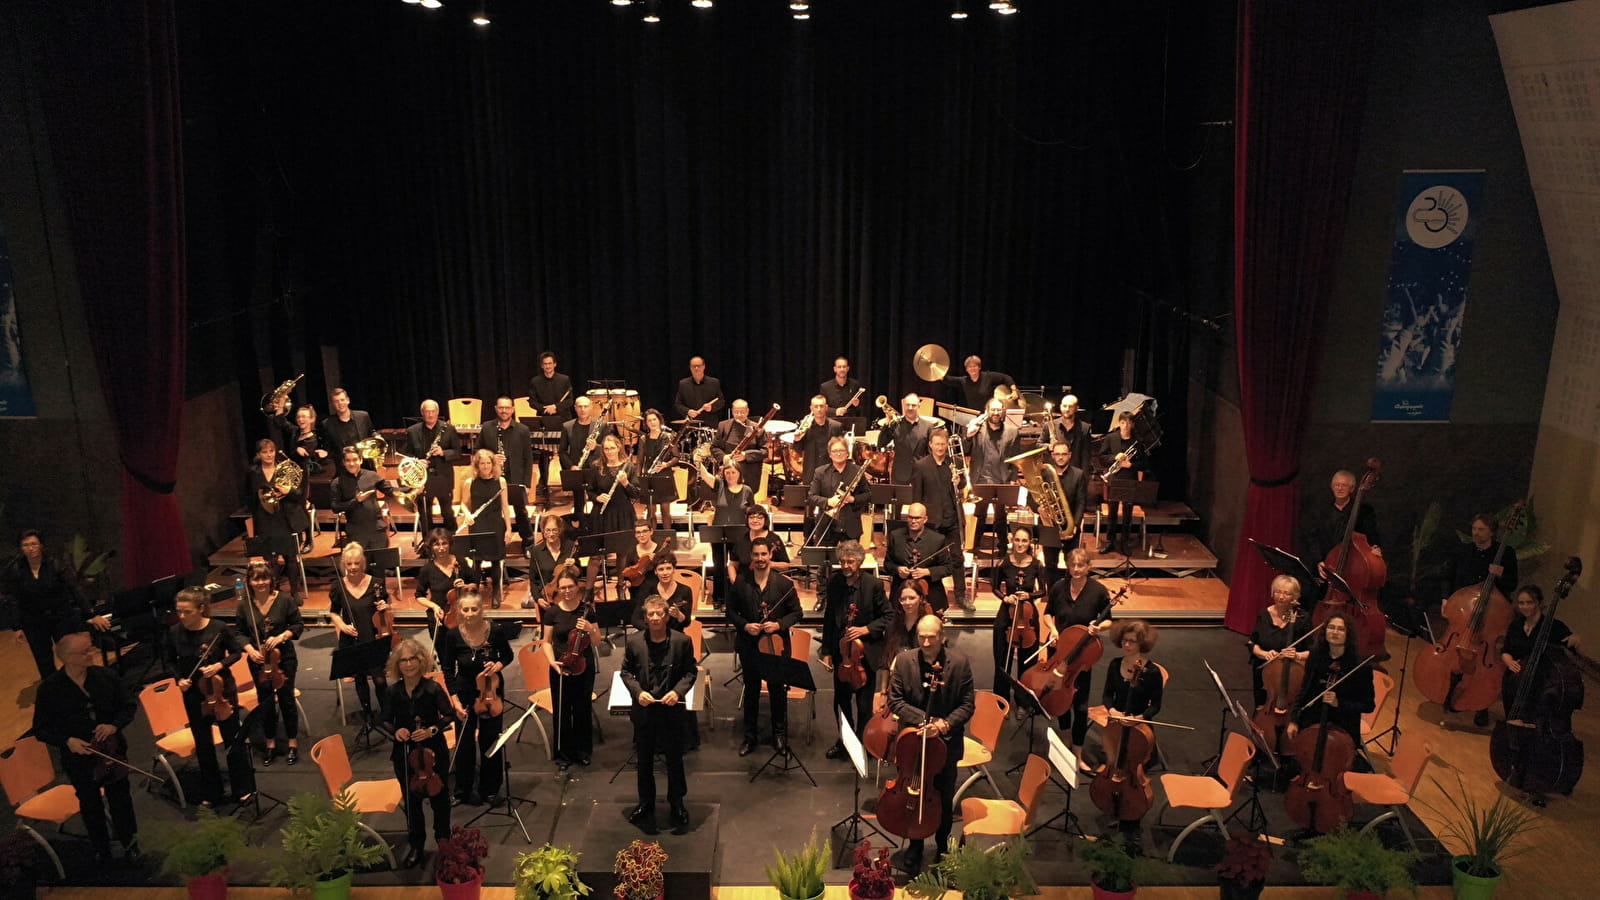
[
  {"x": 16, "y": 400},
  {"x": 1430, "y": 263}
]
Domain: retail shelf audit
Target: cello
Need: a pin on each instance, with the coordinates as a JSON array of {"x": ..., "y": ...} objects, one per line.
[
  {"x": 1463, "y": 672},
  {"x": 1317, "y": 798},
  {"x": 1534, "y": 749},
  {"x": 1363, "y": 570},
  {"x": 910, "y": 806},
  {"x": 1055, "y": 680},
  {"x": 1282, "y": 678},
  {"x": 1121, "y": 789}
]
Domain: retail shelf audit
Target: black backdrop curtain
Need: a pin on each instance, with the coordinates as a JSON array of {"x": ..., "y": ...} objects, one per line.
[{"x": 447, "y": 202}]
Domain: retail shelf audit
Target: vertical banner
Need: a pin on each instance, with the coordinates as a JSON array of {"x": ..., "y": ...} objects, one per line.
[
  {"x": 1429, "y": 266},
  {"x": 16, "y": 400}
]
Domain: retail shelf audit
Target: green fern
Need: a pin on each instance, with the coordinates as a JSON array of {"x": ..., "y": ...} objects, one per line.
[{"x": 799, "y": 875}]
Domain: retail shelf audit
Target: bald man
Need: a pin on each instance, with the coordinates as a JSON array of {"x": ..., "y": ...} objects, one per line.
[{"x": 941, "y": 711}]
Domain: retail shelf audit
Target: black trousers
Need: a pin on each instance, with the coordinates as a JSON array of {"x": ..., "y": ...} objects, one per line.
[
  {"x": 659, "y": 728},
  {"x": 981, "y": 509},
  {"x": 241, "y": 774},
  {"x": 574, "y": 719},
  {"x": 80, "y": 771},
  {"x": 41, "y": 642},
  {"x": 478, "y": 735},
  {"x": 443, "y": 490},
  {"x": 953, "y": 558},
  {"x": 1002, "y": 650},
  {"x": 517, "y": 496},
  {"x": 1049, "y": 536},
  {"x": 777, "y": 692},
  {"x": 1077, "y": 718},
  {"x": 855, "y": 703},
  {"x": 415, "y": 800},
  {"x": 274, "y": 704}
]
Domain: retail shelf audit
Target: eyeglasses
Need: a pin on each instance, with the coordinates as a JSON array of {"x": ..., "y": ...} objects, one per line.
[{"x": 406, "y": 659}]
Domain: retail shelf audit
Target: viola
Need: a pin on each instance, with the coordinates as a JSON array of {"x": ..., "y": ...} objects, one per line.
[
  {"x": 451, "y": 618},
  {"x": 1534, "y": 749},
  {"x": 636, "y": 572},
  {"x": 1317, "y": 798},
  {"x": 1463, "y": 670},
  {"x": 852, "y": 657},
  {"x": 488, "y": 702},
  {"x": 1121, "y": 789},
  {"x": 383, "y": 619},
  {"x": 106, "y": 770},
  {"x": 272, "y": 675},
  {"x": 910, "y": 806},
  {"x": 1364, "y": 571},
  {"x": 576, "y": 658},
  {"x": 776, "y": 643},
  {"x": 420, "y": 761},
  {"x": 212, "y": 687},
  {"x": 1024, "y": 630}
]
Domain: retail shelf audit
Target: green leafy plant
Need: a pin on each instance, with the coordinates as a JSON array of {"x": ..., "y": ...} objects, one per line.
[
  {"x": 548, "y": 873},
  {"x": 1517, "y": 532},
  {"x": 638, "y": 871},
  {"x": 1112, "y": 865},
  {"x": 322, "y": 841},
  {"x": 1485, "y": 834},
  {"x": 192, "y": 849},
  {"x": 1421, "y": 538},
  {"x": 1357, "y": 861},
  {"x": 799, "y": 875},
  {"x": 995, "y": 874}
]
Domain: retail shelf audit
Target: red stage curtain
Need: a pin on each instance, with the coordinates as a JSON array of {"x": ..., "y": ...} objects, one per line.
[{"x": 1302, "y": 71}]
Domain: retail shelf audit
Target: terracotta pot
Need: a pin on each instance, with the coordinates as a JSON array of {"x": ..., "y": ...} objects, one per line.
[
  {"x": 1101, "y": 893},
  {"x": 465, "y": 890},
  {"x": 209, "y": 887},
  {"x": 856, "y": 896}
]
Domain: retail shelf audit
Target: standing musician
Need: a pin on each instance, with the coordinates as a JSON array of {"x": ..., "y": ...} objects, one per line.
[
  {"x": 823, "y": 496},
  {"x": 1018, "y": 576},
  {"x": 580, "y": 440},
  {"x": 731, "y": 498},
  {"x": 663, "y": 582},
  {"x": 992, "y": 442},
  {"x": 1133, "y": 685},
  {"x": 280, "y": 424},
  {"x": 1277, "y": 626},
  {"x": 347, "y": 427},
  {"x": 291, "y": 517},
  {"x": 42, "y": 603},
  {"x": 305, "y": 445},
  {"x": 842, "y": 393},
  {"x": 819, "y": 431},
  {"x": 512, "y": 446},
  {"x": 1474, "y": 560},
  {"x": 1118, "y": 443},
  {"x": 658, "y": 668},
  {"x": 1322, "y": 528},
  {"x": 1334, "y": 656},
  {"x": 267, "y": 620},
  {"x": 418, "y": 712},
  {"x": 440, "y": 575},
  {"x": 910, "y": 605},
  {"x": 644, "y": 548},
  {"x": 1520, "y": 637},
  {"x": 574, "y": 692},
  {"x": 471, "y": 654},
  {"x": 758, "y": 524},
  {"x": 617, "y": 482},
  {"x": 1077, "y": 600},
  {"x": 856, "y": 610},
  {"x": 918, "y": 553},
  {"x": 550, "y": 393},
  {"x": 1053, "y": 538},
  {"x": 552, "y": 552},
  {"x": 483, "y": 495},
  {"x": 204, "y": 648},
  {"x": 731, "y": 431},
  {"x": 355, "y": 492},
  {"x": 82, "y": 706},
  {"x": 656, "y": 455},
  {"x": 763, "y": 604},
  {"x": 354, "y": 599},
  {"x": 975, "y": 389},
  {"x": 1067, "y": 428},
  {"x": 942, "y": 712},
  {"x": 936, "y": 484},
  {"x": 908, "y": 437},
  {"x": 436, "y": 443},
  {"x": 698, "y": 396}
]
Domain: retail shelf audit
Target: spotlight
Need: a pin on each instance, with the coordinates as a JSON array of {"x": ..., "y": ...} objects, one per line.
[
  {"x": 652, "y": 13},
  {"x": 621, "y": 2},
  {"x": 701, "y": 4},
  {"x": 799, "y": 5},
  {"x": 960, "y": 12},
  {"x": 431, "y": 4},
  {"x": 997, "y": 5},
  {"x": 1007, "y": 10},
  {"x": 802, "y": 17},
  {"x": 652, "y": 18},
  {"x": 481, "y": 19},
  {"x": 412, "y": 2}
]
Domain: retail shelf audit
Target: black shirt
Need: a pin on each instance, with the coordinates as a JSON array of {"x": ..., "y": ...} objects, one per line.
[
  {"x": 461, "y": 662},
  {"x": 283, "y": 614},
  {"x": 518, "y": 446},
  {"x": 751, "y": 603},
  {"x": 692, "y": 395},
  {"x": 575, "y": 436},
  {"x": 1322, "y": 528},
  {"x": 221, "y": 643},
  {"x": 1471, "y": 567},
  {"x": 910, "y": 441},
  {"x": 658, "y": 667},
  {"x": 62, "y": 709},
  {"x": 977, "y": 394},
  {"x": 357, "y": 611},
  {"x": 932, "y": 486},
  {"x": 838, "y": 395},
  {"x": 826, "y": 482},
  {"x": 1093, "y": 604},
  {"x": 1355, "y": 693},
  {"x": 553, "y": 391},
  {"x": 1143, "y": 700},
  {"x": 872, "y": 610},
  {"x": 345, "y": 434},
  {"x": 420, "y": 439},
  {"x": 48, "y": 601}
]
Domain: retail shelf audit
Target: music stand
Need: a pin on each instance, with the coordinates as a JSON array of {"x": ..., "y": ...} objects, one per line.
[
  {"x": 604, "y": 543},
  {"x": 613, "y": 614},
  {"x": 1028, "y": 702},
  {"x": 1064, "y": 774},
  {"x": 858, "y": 758},
  {"x": 359, "y": 661},
  {"x": 796, "y": 495},
  {"x": 1004, "y": 497},
  {"x": 1287, "y": 563},
  {"x": 575, "y": 482},
  {"x": 893, "y": 498},
  {"x": 782, "y": 673},
  {"x": 1135, "y": 492},
  {"x": 662, "y": 485},
  {"x": 386, "y": 559},
  {"x": 819, "y": 558},
  {"x": 510, "y": 801},
  {"x": 1257, "y": 819},
  {"x": 286, "y": 546}
]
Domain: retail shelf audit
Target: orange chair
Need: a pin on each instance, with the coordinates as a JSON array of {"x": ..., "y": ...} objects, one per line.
[
  {"x": 1382, "y": 687},
  {"x": 1214, "y": 794},
  {"x": 1002, "y": 817},
  {"x": 466, "y": 411},
  {"x": 983, "y": 732},
  {"x": 380, "y": 796},
  {"x": 696, "y": 632},
  {"x": 536, "y": 681},
  {"x": 26, "y": 773},
  {"x": 169, "y": 724},
  {"x": 1394, "y": 790},
  {"x": 799, "y": 648},
  {"x": 1099, "y": 717}
]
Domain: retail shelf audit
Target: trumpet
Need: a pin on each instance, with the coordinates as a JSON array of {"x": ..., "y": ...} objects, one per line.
[
  {"x": 286, "y": 478},
  {"x": 804, "y": 426},
  {"x": 890, "y": 418},
  {"x": 1121, "y": 461},
  {"x": 270, "y": 400}
]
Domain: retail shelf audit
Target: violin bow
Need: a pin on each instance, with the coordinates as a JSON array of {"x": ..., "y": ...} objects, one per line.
[{"x": 126, "y": 765}]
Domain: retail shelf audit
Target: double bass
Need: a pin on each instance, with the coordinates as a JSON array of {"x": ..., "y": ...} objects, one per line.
[
  {"x": 1534, "y": 749},
  {"x": 1463, "y": 671},
  {"x": 1121, "y": 789},
  {"x": 910, "y": 806},
  {"x": 1317, "y": 798},
  {"x": 1364, "y": 571}
]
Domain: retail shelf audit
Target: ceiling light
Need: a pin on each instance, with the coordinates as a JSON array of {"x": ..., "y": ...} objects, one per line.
[
  {"x": 1007, "y": 10},
  {"x": 481, "y": 19},
  {"x": 700, "y": 4},
  {"x": 799, "y": 5},
  {"x": 801, "y": 17},
  {"x": 431, "y": 4}
]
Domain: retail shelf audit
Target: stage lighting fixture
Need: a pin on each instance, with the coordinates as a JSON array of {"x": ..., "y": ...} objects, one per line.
[
  {"x": 1007, "y": 10},
  {"x": 481, "y": 19},
  {"x": 701, "y": 4},
  {"x": 799, "y": 5},
  {"x": 652, "y": 13},
  {"x": 431, "y": 4},
  {"x": 802, "y": 17},
  {"x": 960, "y": 11},
  {"x": 621, "y": 2},
  {"x": 411, "y": 2}
]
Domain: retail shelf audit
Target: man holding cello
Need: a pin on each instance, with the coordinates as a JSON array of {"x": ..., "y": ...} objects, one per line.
[{"x": 931, "y": 693}]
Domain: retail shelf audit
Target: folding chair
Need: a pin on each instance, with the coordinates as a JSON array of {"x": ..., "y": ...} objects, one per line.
[
  {"x": 169, "y": 724},
  {"x": 382, "y": 795},
  {"x": 1212, "y": 794},
  {"x": 1003, "y": 817},
  {"x": 983, "y": 732},
  {"x": 1394, "y": 790}
]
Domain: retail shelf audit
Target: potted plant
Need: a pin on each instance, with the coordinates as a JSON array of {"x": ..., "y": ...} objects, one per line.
[
  {"x": 458, "y": 868},
  {"x": 873, "y": 876},
  {"x": 638, "y": 871},
  {"x": 549, "y": 873},
  {"x": 1486, "y": 835},
  {"x": 19, "y": 863},
  {"x": 1358, "y": 864},
  {"x": 995, "y": 874},
  {"x": 1114, "y": 870},
  {"x": 1242, "y": 873},
  {"x": 199, "y": 852},
  {"x": 798, "y": 876},
  {"x": 322, "y": 846}
]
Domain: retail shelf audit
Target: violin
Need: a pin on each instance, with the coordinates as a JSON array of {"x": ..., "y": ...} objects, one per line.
[
  {"x": 1534, "y": 749},
  {"x": 910, "y": 806},
  {"x": 635, "y": 573},
  {"x": 576, "y": 658},
  {"x": 1023, "y": 630},
  {"x": 269, "y": 675},
  {"x": 1463, "y": 670},
  {"x": 489, "y": 702},
  {"x": 383, "y": 619},
  {"x": 852, "y": 656},
  {"x": 424, "y": 780},
  {"x": 776, "y": 643},
  {"x": 212, "y": 687},
  {"x": 1364, "y": 571},
  {"x": 111, "y": 749},
  {"x": 1122, "y": 788},
  {"x": 1317, "y": 798}
]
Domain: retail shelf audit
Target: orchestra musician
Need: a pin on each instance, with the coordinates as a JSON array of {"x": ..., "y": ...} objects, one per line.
[
  {"x": 305, "y": 443},
  {"x": 435, "y": 442},
  {"x": 1077, "y": 600},
  {"x": 354, "y": 492},
  {"x": 574, "y": 725},
  {"x": 655, "y": 457},
  {"x": 990, "y": 444},
  {"x": 910, "y": 605},
  {"x": 354, "y": 598},
  {"x": 663, "y": 582},
  {"x": 823, "y": 497},
  {"x": 419, "y": 709},
  {"x": 855, "y": 609},
  {"x": 731, "y": 497},
  {"x": 1018, "y": 575},
  {"x": 909, "y": 438},
  {"x": 280, "y": 424},
  {"x": 1277, "y": 626},
  {"x": 291, "y": 517},
  {"x": 1125, "y": 696},
  {"x": 813, "y": 445},
  {"x": 1054, "y": 539},
  {"x": 579, "y": 437},
  {"x": 698, "y": 396},
  {"x": 1067, "y": 428},
  {"x": 1322, "y": 528},
  {"x": 616, "y": 486},
  {"x": 552, "y": 552},
  {"x": 975, "y": 389},
  {"x": 83, "y": 705},
  {"x": 512, "y": 445},
  {"x": 936, "y": 484},
  {"x": 644, "y": 547},
  {"x": 42, "y": 603},
  {"x": 1335, "y": 653},
  {"x": 346, "y": 427},
  {"x": 842, "y": 393},
  {"x": 472, "y": 649},
  {"x": 203, "y": 648},
  {"x": 1117, "y": 443},
  {"x": 763, "y": 604},
  {"x": 441, "y": 574},
  {"x": 758, "y": 527},
  {"x": 918, "y": 553},
  {"x": 484, "y": 496},
  {"x": 658, "y": 669},
  {"x": 269, "y": 619},
  {"x": 550, "y": 393},
  {"x": 731, "y": 431},
  {"x": 1520, "y": 636},
  {"x": 942, "y": 712}
]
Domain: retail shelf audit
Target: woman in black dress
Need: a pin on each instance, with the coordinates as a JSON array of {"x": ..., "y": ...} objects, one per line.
[
  {"x": 551, "y": 552},
  {"x": 1077, "y": 600},
  {"x": 1277, "y": 626},
  {"x": 910, "y": 606},
  {"x": 290, "y": 517},
  {"x": 354, "y": 598},
  {"x": 305, "y": 445},
  {"x": 270, "y": 620},
  {"x": 1016, "y": 580},
  {"x": 1332, "y": 661},
  {"x": 574, "y": 692},
  {"x": 440, "y": 575},
  {"x": 1133, "y": 684},
  {"x": 203, "y": 647},
  {"x": 655, "y": 457},
  {"x": 1520, "y": 636},
  {"x": 730, "y": 499},
  {"x": 486, "y": 509},
  {"x": 417, "y": 712},
  {"x": 471, "y": 649}
]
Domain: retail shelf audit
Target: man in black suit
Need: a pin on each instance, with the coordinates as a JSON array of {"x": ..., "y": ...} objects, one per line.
[
  {"x": 763, "y": 603},
  {"x": 820, "y": 428},
  {"x": 731, "y": 431},
  {"x": 512, "y": 446},
  {"x": 917, "y": 552},
  {"x": 823, "y": 495},
  {"x": 346, "y": 426},
  {"x": 699, "y": 395},
  {"x": 935, "y": 483},
  {"x": 580, "y": 447},
  {"x": 842, "y": 392},
  {"x": 941, "y": 711},
  {"x": 908, "y": 437},
  {"x": 550, "y": 394},
  {"x": 435, "y": 442},
  {"x": 1072, "y": 429},
  {"x": 658, "y": 668},
  {"x": 1055, "y": 539}
]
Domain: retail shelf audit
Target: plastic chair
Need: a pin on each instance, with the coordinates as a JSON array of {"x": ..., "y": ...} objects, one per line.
[
  {"x": 696, "y": 632},
  {"x": 1394, "y": 790},
  {"x": 380, "y": 796},
  {"x": 799, "y": 648},
  {"x": 26, "y": 773},
  {"x": 169, "y": 725},
  {"x": 1382, "y": 687},
  {"x": 1214, "y": 794},
  {"x": 522, "y": 408},
  {"x": 466, "y": 411},
  {"x": 1002, "y": 817},
  {"x": 1098, "y": 716},
  {"x": 536, "y": 681},
  {"x": 977, "y": 746}
]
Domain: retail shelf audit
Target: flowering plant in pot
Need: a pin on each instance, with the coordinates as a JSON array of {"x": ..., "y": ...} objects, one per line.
[
  {"x": 459, "y": 866},
  {"x": 873, "y": 876},
  {"x": 1243, "y": 870},
  {"x": 638, "y": 871}
]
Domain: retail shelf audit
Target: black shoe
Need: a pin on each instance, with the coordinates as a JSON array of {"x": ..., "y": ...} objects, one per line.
[
  {"x": 131, "y": 852},
  {"x": 747, "y": 748},
  {"x": 836, "y": 751},
  {"x": 413, "y": 859},
  {"x": 679, "y": 819},
  {"x": 266, "y": 758},
  {"x": 780, "y": 742},
  {"x": 912, "y": 861},
  {"x": 644, "y": 817},
  {"x": 1481, "y": 718},
  {"x": 585, "y": 759},
  {"x": 495, "y": 604},
  {"x": 492, "y": 800},
  {"x": 293, "y": 756}
]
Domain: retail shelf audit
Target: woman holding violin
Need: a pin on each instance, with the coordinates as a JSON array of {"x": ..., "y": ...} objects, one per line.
[
  {"x": 663, "y": 582},
  {"x": 638, "y": 562},
  {"x": 1277, "y": 627},
  {"x": 440, "y": 575},
  {"x": 1075, "y": 601},
  {"x": 269, "y": 621},
  {"x": 931, "y": 693},
  {"x": 1020, "y": 584},
  {"x": 357, "y": 606},
  {"x": 418, "y": 710},
  {"x": 569, "y": 649},
  {"x": 1334, "y": 657},
  {"x": 549, "y": 553},
  {"x": 854, "y": 617},
  {"x": 473, "y": 657},
  {"x": 202, "y": 650}
]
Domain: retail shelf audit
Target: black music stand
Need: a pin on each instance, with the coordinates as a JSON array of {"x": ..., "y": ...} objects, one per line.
[
  {"x": 858, "y": 759},
  {"x": 795, "y": 495},
  {"x": 357, "y": 661},
  {"x": 613, "y": 614},
  {"x": 508, "y": 799},
  {"x": 719, "y": 537},
  {"x": 484, "y": 547},
  {"x": 1138, "y": 493},
  {"x": 1027, "y": 701},
  {"x": 284, "y": 546},
  {"x": 665, "y": 487},
  {"x": 893, "y": 498},
  {"x": 156, "y": 603},
  {"x": 787, "y": 672},
  {"x": 1064, "y": 775},
  {"x": 818, "y": 560},
  {"x": 386, "y": 560},
  {"x": 576, "y": 482},
  {"x": 604, "y": 543}
]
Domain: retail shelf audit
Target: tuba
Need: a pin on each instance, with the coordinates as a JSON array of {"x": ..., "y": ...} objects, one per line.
[
  {"x": 270, "y": 401},
  {"x": 1043, "y": 481},
  {"x": 286, "y": 479}
]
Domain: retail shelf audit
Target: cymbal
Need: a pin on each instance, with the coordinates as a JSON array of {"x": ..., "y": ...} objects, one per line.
[{"x": 931, "y": 362}]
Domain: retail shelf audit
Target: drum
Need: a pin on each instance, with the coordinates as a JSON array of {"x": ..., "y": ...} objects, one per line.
[
  {"x": 778, "y": 426},
  {"x": 625, "y": 406},
  {"x": 793, "y": 460},
  {"x": 598, "y": 396}
]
